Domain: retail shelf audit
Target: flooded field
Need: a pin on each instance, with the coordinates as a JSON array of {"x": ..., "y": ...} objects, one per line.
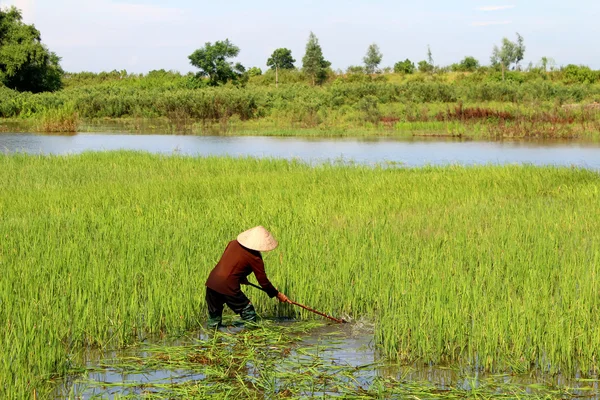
[
  {"x": 291, "y": 359},
  {"x": 489, "y": 268}
]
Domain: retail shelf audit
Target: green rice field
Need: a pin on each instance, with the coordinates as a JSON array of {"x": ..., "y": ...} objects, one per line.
[{"x": 494, "y": 267}]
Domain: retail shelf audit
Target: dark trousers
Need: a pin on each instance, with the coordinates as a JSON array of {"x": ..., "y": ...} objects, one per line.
[{"x": 215, "y": 302}]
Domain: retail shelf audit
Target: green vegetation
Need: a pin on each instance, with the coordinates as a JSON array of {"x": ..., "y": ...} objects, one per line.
[
  {"x": 427, "y": 66},
  {"x": 404, "y": 67},
  {"x": 223, "y": 97},
  {"x": 509, "y": 53},
  {"x": 314, "y": 64},
  {"x": 25, "y": 63},
  {"x": 212, "y": 60},
  {"x": 494, "y": 267},
  {"x": 372, "y": 59},
  {"x": 281, "y": 59},
  {"x": 480, "y": 104},
  {"x": 273, "y": 361},
  {"x": 468, "y": 64}
]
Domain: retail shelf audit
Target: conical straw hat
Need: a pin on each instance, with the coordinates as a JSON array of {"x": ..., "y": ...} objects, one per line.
[{"x": 257, "y": 238}]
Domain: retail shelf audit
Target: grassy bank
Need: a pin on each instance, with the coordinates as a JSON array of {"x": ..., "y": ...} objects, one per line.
[
  {"x": 491, "y": 266},
  {"x": 394, "y": 104}
]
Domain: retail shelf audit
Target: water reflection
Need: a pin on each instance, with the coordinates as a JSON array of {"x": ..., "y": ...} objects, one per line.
[
  {"x": 409, "y": 152},
  {"x": 329, "y": 346}
]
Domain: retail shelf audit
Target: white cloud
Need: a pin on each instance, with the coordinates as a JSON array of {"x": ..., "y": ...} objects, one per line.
[
  {"x": 488, "y": 23},
  {"x": 495, "y": 8}
]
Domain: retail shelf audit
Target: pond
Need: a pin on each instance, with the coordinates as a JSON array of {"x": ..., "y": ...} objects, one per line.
[{"x": 408, "y": 152}]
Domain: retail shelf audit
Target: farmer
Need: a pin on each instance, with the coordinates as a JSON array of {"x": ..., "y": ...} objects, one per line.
[{"x": 240, "y": 258}]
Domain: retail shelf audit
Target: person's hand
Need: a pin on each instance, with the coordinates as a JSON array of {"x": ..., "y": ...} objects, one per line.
[{"x": 283, "y": 298}]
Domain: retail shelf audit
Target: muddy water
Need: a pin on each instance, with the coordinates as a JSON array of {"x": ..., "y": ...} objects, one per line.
[{"x": 350, "y": 345}]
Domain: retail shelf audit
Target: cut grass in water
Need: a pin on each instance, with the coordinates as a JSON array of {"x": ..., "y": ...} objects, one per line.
[
  {"x": 296, "y": 360},
  {"x": 494, "y": 267}
]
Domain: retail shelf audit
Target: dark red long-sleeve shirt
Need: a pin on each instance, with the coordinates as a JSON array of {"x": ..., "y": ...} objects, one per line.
[{"x": 236, "y": 263}]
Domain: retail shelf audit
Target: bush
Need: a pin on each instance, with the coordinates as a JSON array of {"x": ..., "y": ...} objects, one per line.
[
  {"x": 580, "y": 74},
  {"x": 404, "y": 67}
]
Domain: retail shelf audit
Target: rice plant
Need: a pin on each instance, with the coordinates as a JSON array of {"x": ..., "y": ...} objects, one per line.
[{"x": 495, "y": 267}]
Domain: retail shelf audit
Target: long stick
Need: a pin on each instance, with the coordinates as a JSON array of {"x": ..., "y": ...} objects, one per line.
[{"x": 339, "y": 321}]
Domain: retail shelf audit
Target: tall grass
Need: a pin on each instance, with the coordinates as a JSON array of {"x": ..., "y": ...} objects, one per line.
[
  {"x": 59, "y": 120},
  {"x": 496, "y": 267},
  {"x": 534, "y": 108}
]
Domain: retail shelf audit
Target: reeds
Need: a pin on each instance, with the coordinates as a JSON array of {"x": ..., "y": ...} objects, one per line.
[
  {"x": 493, "y": 267},
  {"x": 60, "y": 120},
  {"x": 345, "y": 105}
]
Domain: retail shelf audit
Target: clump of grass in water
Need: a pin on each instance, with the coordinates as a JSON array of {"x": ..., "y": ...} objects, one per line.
[
  {"x": 60, "y": 120},
  {"x": 271, "y": 361}
]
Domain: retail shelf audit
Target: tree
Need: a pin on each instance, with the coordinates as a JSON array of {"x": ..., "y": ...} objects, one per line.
[
  {"x": 281, "y": 59},
  {"x": 509, "y": 53},
  {"x": 25, "y": 63},
  {"x": 519, "y": 50},
  {"x": 212, "y": 60},
  {"x": 429, "y": 56},
  {"x": 468, "y": 64},
  {"x": 313, "y": 62},
  {"x": 406, "y": 67},
  {"x": 425, "y": 66},
  {"x": 254, "y": 71},
  {"x": 372, "y": 59},
  {"x": 546, "y": 63}
]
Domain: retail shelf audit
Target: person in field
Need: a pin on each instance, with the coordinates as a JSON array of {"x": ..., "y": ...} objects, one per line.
[{"x": 240, "y": 258}]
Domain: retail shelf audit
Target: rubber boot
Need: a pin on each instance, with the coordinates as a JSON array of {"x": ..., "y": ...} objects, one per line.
[
  {"x": 248, "y": 314},
  {"x": 214, "y": 322}
]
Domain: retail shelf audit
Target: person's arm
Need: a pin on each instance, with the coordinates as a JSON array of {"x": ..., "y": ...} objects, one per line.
[{"x": 258, "y": 267}]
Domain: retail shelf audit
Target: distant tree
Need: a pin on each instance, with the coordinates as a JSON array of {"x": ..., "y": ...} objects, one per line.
[
  {"x": 429, "y": 56},
  {"x": 468, "y": 64},
  {"x": 406, "y": 67},
  {"x": 254, "y": 71},
  {"x": 313, "y": 62},
  {"x": 546, "y": 63},
  {"x": 519, "y": 50},
  {"x": 281, "y": 59},
  {"x": 372, "y": 59},
  {"x": 509, "y": 53},
  {"x": 355, "y": 69},
  {"x": 425, "y": 66},
  {"x": 25, "y": 63},
  {"x": 212, "y": 60}
]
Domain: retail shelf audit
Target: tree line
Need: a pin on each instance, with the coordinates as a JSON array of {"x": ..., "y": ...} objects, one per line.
[
  {"x": 212, "y": 60},
  {"x": 28, "y": 65}
]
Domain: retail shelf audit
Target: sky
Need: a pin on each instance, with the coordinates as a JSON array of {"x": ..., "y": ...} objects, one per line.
[{"x": 143, "y": 35}]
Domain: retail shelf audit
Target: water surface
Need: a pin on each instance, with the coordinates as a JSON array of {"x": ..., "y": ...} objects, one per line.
[
  {"x": 347, "y": 346},
  {"x": 409, "y": 152}
]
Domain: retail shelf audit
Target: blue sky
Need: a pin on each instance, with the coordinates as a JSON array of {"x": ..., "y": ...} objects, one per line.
[{"x": 142, "y": 35}]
